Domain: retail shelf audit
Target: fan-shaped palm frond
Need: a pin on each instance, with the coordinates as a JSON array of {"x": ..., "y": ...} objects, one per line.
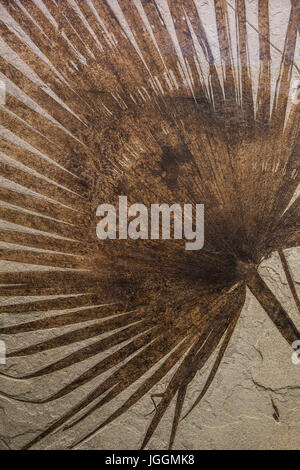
[{"x": 163, "y": 101}]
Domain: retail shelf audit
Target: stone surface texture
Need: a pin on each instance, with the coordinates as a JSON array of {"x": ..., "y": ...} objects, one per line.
[{"x": 236, "y": 413}]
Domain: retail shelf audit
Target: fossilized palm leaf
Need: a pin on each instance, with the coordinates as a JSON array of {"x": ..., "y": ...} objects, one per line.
[{"x": 163, "y": 101}]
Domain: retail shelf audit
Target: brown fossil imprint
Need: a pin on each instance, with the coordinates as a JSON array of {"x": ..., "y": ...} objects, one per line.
[{"x": 132, "y": 97}]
